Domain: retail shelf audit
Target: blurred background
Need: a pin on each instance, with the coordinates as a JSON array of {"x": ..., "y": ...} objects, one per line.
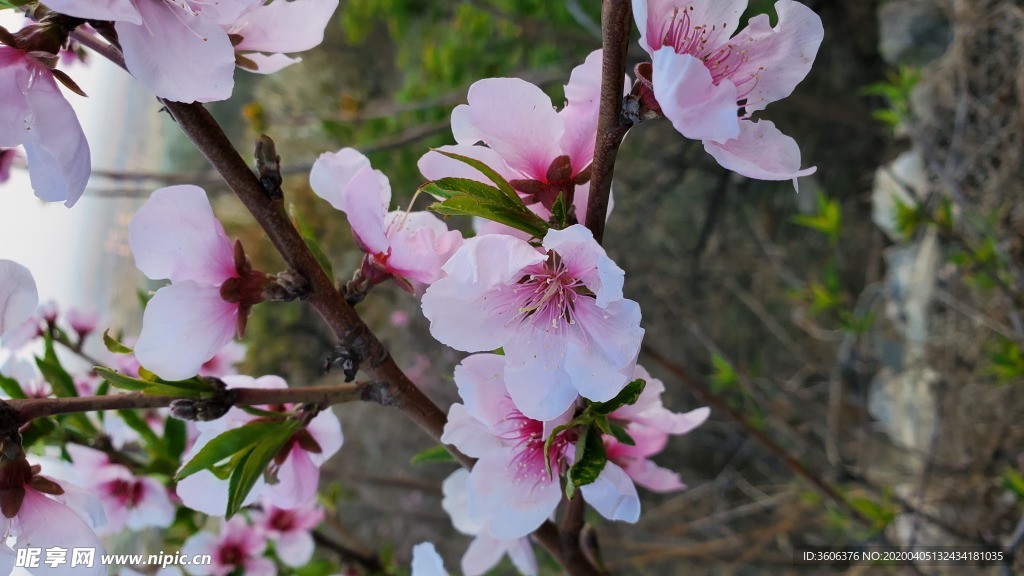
[{"x": 860, "y": 342}]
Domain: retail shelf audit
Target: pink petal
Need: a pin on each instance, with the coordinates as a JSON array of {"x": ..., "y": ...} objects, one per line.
[
  {"x": 326, "y": 430},
  {"x": 613, "y": 495},
  {"x": 779, "y": 58},
  {"x": 18, "y": 296},
  {"x": 461, "y": 307},
  {"x": 456, "y": 502},
  {"x": 197, "y": 544},
  {"x": 269, "y": 63},
  {"x": 420, "y": 245},
  {"x": 204, "y": 492},
  {"x": 184, "y": 325},
  {"x": 602, "y": 351},
  {"x": 520, "y": 551},
  {"x": 467, "y": 433},
  {"x": 536, "y": 375},
  {"x": 426, "y": 561},
  {"x": 298, "y": 480},
  {"x": 583, "y": 98},
  {"x": 15, "y": 114},
  {"x": 200, "y": 68},
  {"x": 516, "y": 119},
  {"x": 154, "y": 508},
  {"x": 295, "y": 549},
  {"x": 587, "y": 261},
  {"x": 112, "y": 10},
  {"x": 285, "y": 26},
  {"x": 435, "y": 166},
  {"x": 654, "y": 477},
  {"x": 510, "y": 507},
  {"x": 44, "y": 523},
  {"x": 761, "y": 152},
  {"x": 482, "y": 388},
  {"x": 483, "y": 553},
  {"x": 346, "y": 180},
  {"x": 175, "y": 235},
  {"x": 688, "y": 97}
]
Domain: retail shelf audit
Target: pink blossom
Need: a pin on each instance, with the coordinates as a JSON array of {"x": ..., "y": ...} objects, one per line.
[
  {"x": 18, "y": 296},
  {"x": 83, "y": 322},
  {"x": 708, "y": 82},
  {"x": 41, "y": 513},
  {"x": 34, "y": 114},
  {"x": 510, "y": 490},
  {"x": 426, "y": 561},
  {"x": 223, "y": 362},
  {"x": 25, "y": 373},
  {"x": 121, "y": 434},
  {"x": 268, "y": 32},
  {"x": 296, "y": 471},
  {"x": 129, "y": 501},
  {"x": 176, "y": 236},
  {"x": 649, "y": 423},
  {"x": 558, "y": 313},
  {"x": 290, "y": 530},
  {"x": 410, "y": 246},
  {"x": 237, "y": 548},
  {"x": 542, "y": 152},
  {"x": 484, "y": 551}
]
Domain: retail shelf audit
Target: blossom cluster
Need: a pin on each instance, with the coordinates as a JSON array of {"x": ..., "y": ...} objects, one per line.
[{"x": 553, "y": 405}]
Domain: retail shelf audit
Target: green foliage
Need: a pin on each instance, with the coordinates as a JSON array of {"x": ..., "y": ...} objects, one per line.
[
  {"x": 1006, "y": 362},
  {"x": 433, "y": 454},
  {"x": 113, "y": 345},
  {"x": 896, "y": 91},
  {"x": 6, "y": 4},
  {"x": 149, "y": 383},
  {"x": 828, "y": 220},
  {"x": 589, "y": 462},
  {"x": 724, "y": 377},
  {"x": 1014, "y": 482}
]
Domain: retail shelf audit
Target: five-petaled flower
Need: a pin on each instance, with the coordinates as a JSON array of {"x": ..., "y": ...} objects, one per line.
[
  {"x": 559, "y": 314},
  {"x": 708, "y": 82}
]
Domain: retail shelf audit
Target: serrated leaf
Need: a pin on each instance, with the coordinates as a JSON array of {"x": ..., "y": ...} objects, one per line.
[
  {"x": 11, "y": 387},
  {"x": 447, "y": 188},
  {"x": 313, "y": 243},
  {"x": 626, "y": 397},
  {"x": 434, "y": 454},
  {"x": 225, "y": 446},
  {"x": 251, "y": 467},
  {"x": 526, "y": 220},
  {"x": 491, "y": 175},
  {"x": 590, "y": 458},
  {"x": 113, "y": 345}
]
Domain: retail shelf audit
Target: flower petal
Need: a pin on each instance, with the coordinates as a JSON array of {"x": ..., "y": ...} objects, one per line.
[
  {"x": 435, "y": 166},
  {"x": 426, "y": 561},
  {"x": 175, "y": 235},
  {"x": 510, "y": 507},
  {"x": 689, "y": 98},
  {"x": 284, "y": 26},
  {"x": 347, "y": 181},
  {"x": 184, "y": 325},
  {"x": 295, "y": 549},
  {"x": 536, "y": 374},
  {"x": 200, "y": 68},
  {"x": 112, "y": 10},
  {"x": 44, "y": 523},
  {"x": 483, "y": 553},
  {"x": 613, "y": 494},
  {"x": 467, "y": 433},
  {"x": 778, "y": 58},
  {"x": 654, "y": 477},
  {"x": 298, "y": 479},
  {"x": 761, "y": 152},
  {"x": 18, "y": 296},
  {"x": 516, "y": 119},
  {"x": 601, "y": 354}
]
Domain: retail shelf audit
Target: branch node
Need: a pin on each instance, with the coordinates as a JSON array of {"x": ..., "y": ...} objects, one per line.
[
  {"x": 287, "y": 286},
  {"x": 268, "y": 167},
  {"x": 205, "y": 409},
  {"x": 379, "y": 392}
]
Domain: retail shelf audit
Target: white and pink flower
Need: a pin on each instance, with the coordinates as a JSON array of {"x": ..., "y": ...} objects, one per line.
[
  {"x": 409, "y": 246},
  {"x": 237, "y": 548},
  {"x": 708, "y": 81},
  {"x": 129, "y": 501},
  {"x": 18, "y": 296},
  {"x": 558, "y": 313},
  {"x": 510, "y": 492},
  {"x": 290, "y": 530},
  {"x": 175, "y": 235},
  {"x": 540, "y": 151}
]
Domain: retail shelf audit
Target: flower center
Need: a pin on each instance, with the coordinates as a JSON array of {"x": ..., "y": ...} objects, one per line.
[
  {"x": 548, "y": 293},
  {"x": 231, "y": 554},
  {"x": 526, "y": 438},
  {"x": 282, "y": 520},
  {"x": 127, "y": 493},
  {"x": 700, "y": 41}
]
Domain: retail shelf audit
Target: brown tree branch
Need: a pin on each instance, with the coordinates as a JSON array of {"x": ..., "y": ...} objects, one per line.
[
  {"x": 32, "y": 408},
  {"x": 616, "y": 24}
]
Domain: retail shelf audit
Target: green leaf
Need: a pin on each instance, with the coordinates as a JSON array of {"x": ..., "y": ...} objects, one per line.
[
  {"x": 434, "y": 454},
  {"x": 583, "y": 419},
  {"x": 491, "y": 175},
  {"x": 626, "y": 397},
  {"x": 11, "y": 387},
  {"x": 61, "y": 382},
  {"x": 724, "y": 376},
  {"x": 312, "y": 242},
  {"x": 122, "y": 381},
  {"x": 113, "y": 345},
  {"x": 227, "y": 445},
  {"x": 37, "y": 430},
  {"x": 137, "y": 423},
  {"x": 560, "y": 212},
  {"x": 175, "y": 437},
  {"x": 5, "y": 4},
  {"x": 620, "y": 434},
  {"x": 252, "y": 465},
  {"x": 1013, "y": 481},
  {"x": 524, "y": 220},
  {"x": 590, "y": 459},
  {"x": 447, "y": 188}
]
